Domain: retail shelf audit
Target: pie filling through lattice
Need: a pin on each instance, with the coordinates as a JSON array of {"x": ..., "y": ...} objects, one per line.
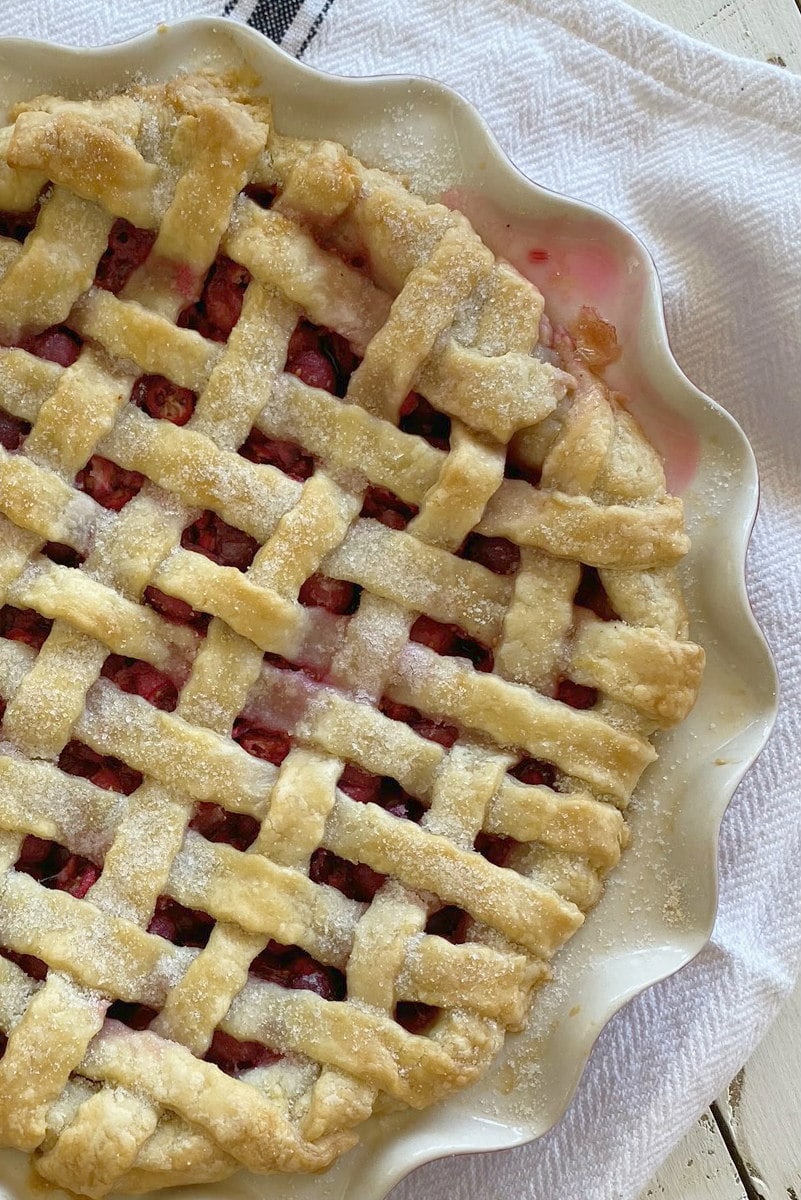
[{"x": 338, "y": 610}]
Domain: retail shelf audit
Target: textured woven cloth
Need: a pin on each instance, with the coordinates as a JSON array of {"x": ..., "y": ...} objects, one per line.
[{"x": 700, "y": 154}]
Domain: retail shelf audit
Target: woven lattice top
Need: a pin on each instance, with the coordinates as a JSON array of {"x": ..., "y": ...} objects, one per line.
[{"x": 339, "y": 609}]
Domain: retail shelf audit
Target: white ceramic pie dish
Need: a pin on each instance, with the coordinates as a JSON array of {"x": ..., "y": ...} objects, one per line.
[{"x": 660, "y": 905}]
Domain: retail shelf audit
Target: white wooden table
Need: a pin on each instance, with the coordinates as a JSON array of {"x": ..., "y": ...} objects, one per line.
[{"x": 747, "y": 1145}]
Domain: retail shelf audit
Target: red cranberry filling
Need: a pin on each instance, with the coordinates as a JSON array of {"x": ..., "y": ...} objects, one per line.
[
  {"x": 269, "y": 744},
  {"x": 576, "y": 694},
  {"x": 286, "y": 456},
  {"x": 110, "y": 485},
  {"x": 164, "y": 400},
  {"x": 535, "y": 772},
  {"x": 127, "y": 249},
  {"x": 427, "y": 727},
  {"x": 591, "y": 595},
  {"x": 65, "y": 556},
  {"x": 18, "y": 225},
  {"x": 24, "y": 625},
  {"x": 57, "y": 344},
  {"x": 291, "y": 967},
  {"x": 222, "y": 543},
  {"x": 27, "y": 963},
  {"x": 334, "y": 595},
  {"x": 521, "y": 470},
  {"x": 175, "y": 610},
  {"x": 497, "y": 554},
  {"x": 494, "y": 848},
  {"x": 414, "y": 1016},
  {"x": 216, "y": 824},
  {"x": 321, "y": 358},
  {"x": 217, "y": 311},
  {"x": 179, "y": 925},
  {"x": 452, "y": 641},
  {"x": 233, "y": 1057},
  {"x": 141, "y": 679},
  {"x": 419, "y": 417},
  {"x": 135, "y": 1016},
  {"x": 3, "y": 1043},
  {"x": 367, "y": 788},
  {"x": 384, "y": 506},
  {"x": 13, "y": 431},
  {"x": 55, "y": 868},
  {"x": 318, "y": 673},
  {"x": 260, "y": 194},
  {"x": 104, "y": 771},
  {"x": 450, "y": 923},
  {"x": 355, "y": 880}
]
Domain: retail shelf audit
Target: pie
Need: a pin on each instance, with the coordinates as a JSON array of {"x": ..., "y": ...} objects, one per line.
[{"x": 339, "y": 608}]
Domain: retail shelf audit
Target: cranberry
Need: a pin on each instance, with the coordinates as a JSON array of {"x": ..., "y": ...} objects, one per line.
[
  {"x": 314, "y": 369},
  {"x": 175, "y": 610},
  {"x": 419, "y": 417},
  {"x": 217, "y": 311},
  {"x": 291, "y": 967},
  {"x": 414, "y": 1016},
  {"x": 334, "y": 595},
  {"x": 450, "y": 923},
  {"x": 534, "y": 772},
  {"x": 359, "y": 784},
  {"x": 384, "y": 506},
  {"x": 18, "y": 225},
  {"x": 108, "y": 484},
  {"x": 494, "y": 848},
  {"x": 216, "y": 824},
  {"x": 427, "y": 727},
  {"x": 77, "y": 876},
  {"x": 127, "y": 249},
  {"x": 398, "y": 803},
  {"x": 233, "y": 1057},
  {"x": 321, "y": 358},
  {"x": 591, "y": 595},
  {"x": 288, "y": 457},
  {"x": 525, "y": 471},
  {"x": 162, "y": 399},
  {"x": 576, "y": 694},
  {"x": 179, "y": 925},
  {"x": 268, "y": 744},
  {"x": 27, "y": 963},
  {"x": 451, "y": 640},
  {"x": 65, "y": 556},
  {"x": 497, "y": 554},
  {"x": 135, "y": 1016},
  {"x": 106, "y": 772},
  {"x": 141, "y": 679},
  {"x": 24, "y": 625},
  {"x": 260, "y": 194},
  {"x": 355, "y": 880},
  {"x": 55, "y": 868},
  {"x": 222, "y": 543},
  {"x": 56, "y": 344},
  {"x": 13, "y": 431}
]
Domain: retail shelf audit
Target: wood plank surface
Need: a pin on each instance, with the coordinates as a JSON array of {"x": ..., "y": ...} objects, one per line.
[
  {"x": 769, "y": 30},
  {"x": 762, "y": 1109},
  {"x": 698, "y": 1169},
  {"x": 760, "y": 1114}
]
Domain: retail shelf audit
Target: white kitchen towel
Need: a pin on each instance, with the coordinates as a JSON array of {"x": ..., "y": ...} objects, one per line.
[{"x": 700, "y": 154}]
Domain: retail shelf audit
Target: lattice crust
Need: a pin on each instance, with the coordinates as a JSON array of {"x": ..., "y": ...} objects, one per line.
[{"x": 427, "y": 309}]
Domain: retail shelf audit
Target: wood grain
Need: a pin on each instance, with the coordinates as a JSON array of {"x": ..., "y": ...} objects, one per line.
[
  {"x": 762, "y": 1109},
  {"x": 698, "y": 1169},
  {"x": 769, "y": 30}
]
